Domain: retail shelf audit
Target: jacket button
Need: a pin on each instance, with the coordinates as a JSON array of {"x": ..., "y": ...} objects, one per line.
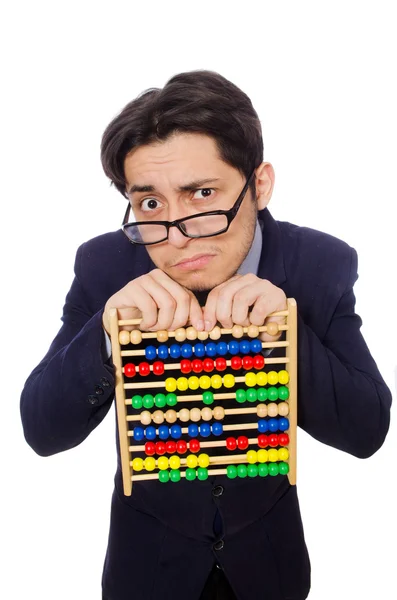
[
  {"x": 93, "y": 399},
  {"x": 104, "y": 382},
  {"x": 219, "y": 545},
  {"x": 98, "y": 390},
  {"x": 217, "y": 491}
]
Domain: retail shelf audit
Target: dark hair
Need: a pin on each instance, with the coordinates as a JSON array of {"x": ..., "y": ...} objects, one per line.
[{"x": 197, "y": 102}]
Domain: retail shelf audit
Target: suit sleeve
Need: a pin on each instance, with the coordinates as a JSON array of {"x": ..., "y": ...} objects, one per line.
[
  {"x": 343, "y": 400},
  {"x": 71, "y": 390}
]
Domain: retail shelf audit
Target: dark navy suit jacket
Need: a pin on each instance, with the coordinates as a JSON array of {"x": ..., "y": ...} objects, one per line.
[{"x": 161, "y": 539}]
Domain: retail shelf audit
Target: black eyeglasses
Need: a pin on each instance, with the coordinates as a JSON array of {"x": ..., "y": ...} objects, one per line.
[{"x": 207, "y": 224}]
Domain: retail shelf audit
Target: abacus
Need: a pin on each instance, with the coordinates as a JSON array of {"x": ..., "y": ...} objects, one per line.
[{"x": 211, "y": 372}]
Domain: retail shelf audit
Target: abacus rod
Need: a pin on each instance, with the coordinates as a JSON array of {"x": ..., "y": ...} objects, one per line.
[
  {"x": 281, "y": 313},
  {"x": 228, "y": 411},
  {"x": 154, "y": 476},
  {"x": 264, "y": 345},
  {"x": 193, "y": 397},
  {"x": 234, "y": 427},
  {"x": 212, "y": 444}
]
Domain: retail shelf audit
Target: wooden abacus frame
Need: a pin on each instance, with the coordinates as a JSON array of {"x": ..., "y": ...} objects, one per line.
[{"x": 123, "y": 418}]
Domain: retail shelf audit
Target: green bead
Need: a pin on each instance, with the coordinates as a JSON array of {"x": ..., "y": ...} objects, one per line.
[
  {"x": 242, "y": 471},
  {"x": 263, "y": 470},
  {"x": 231, "y": 471},
  {"x": 148, "y": 401},
  {"x": 202, "y": 473},
  {"x": 273, "y": 469},
  {"x": 262, "y": 394},
  {"x": 208, "y": 397},
  {"x": 240, "y": 396},
  {"x": 171, "y": 399},
  {"x": 136, "y": 401},
  {"x": 283, "y": 468},
  {"x": 272, "y": 393},
  {"x": 164, "y": 476},
  {"x": 252, "y": 395},
  {"x": 160, "y": 400},
  {"x": 252, "y": 471},
  {"x": 175, "y": 475},
  {"x": 190, "y": 474},
  {"x": 283, "y": 392}
]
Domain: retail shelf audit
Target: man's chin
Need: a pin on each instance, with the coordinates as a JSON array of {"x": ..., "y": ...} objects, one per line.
[{"x": 199, "y": 281}]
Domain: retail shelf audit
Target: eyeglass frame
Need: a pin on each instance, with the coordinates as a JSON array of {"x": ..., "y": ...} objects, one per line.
[{"x": 230, "y": 214}]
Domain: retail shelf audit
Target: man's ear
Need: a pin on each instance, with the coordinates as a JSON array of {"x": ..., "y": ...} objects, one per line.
[{"x": 264, "y": 183}]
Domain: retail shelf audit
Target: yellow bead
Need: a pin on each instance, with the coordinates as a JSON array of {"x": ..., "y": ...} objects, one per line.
[
  {"x": 262, "y": 455},
  {"x": 193, "y": 382},
  {"x": 195, "y": 415},
  {"x": 272, "y": 409},
  {"x": 237, "y": 331},
  {"x": 215, "y": 333},
  {"x": 184, "y": 415},
  {"x": 272, "y": 378},
  {"x": 182, "y": 384},
  {"x": 162, "y": 463},
  {"x": 228, "y": 380},
  {"x": 162, "y": 336},
  {"x": 170, "y": 384},
  {"x": 272, "y": 327},
  {"x": 261, "y": 410},
  {"x": 192, "y": 461},
  {"x": 252, "y": 457},
  {"x": 219, "y": 413},
  {"x": 283, "y": 409},
  {"x": 261, "y": 378},
  {"x": 137, "y": 464},
  {"x": 272, "y": 455},
  {"x": 158, "y": 417},
  {"x": 283, "y": 377},
  {"x": 124, "y": 337},
  {"x": 170, "y": 416},
  {"x": 191, "y": 333},
  {"x": 150, "y": 463},
  {"x": 202, "y": 336},
  {"x": 216, "y": 382},
  {"x": 136, "y": 336},
  {"x": 205, "y": 382},
  {"x": 206, "y": 413},
  {"x": 283, "y": 454},
  {"x": 203, "y": 460},
  {"x": 175, "y": 462},
  {"x": 146, "y": 417},
  {"x": 180, "y": 334},
  {"x": 250, "y": 379},
  {"x": 253, "y": 331}
]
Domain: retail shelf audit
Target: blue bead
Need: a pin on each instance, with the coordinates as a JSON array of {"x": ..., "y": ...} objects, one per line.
[
  {"x": 186, "y": 350},
  {"x": 150, "y": 433},
  {"x": 176, "y": 432},
  {"x": 273, "y": 425},
  {"x": 199, "y": 350},
  {"x": 205, "y": 429},
  {"x": 138, "y": 434},
  {"x": 245, "y": 346},
  {"x": 150, "y": 352},
  {"x": 221, "y": 348},
  {"x": 234, "y": 347},
  {"x": 210, "y": 349},
  {"x": 283, "y": 424},
  {"x": 164, "y": 432},
  {"x": 162, "y": 351},
  {"x": 262, "y": 426},
  {"x": 256, "y": 346},
  {"x": 192, "y": 430},
  {"x": 217, "y": 428},
  {"x": 175, "y": 351}
]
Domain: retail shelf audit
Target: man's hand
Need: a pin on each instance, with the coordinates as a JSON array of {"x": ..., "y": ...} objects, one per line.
[
  {"x": 162, "y": 304},
  {"x": 242, "y": 300}
]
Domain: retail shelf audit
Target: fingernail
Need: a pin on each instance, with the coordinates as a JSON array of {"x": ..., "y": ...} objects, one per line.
[
  {"x": 200, "y": 325},
  {"x": 208, "y": 325}
]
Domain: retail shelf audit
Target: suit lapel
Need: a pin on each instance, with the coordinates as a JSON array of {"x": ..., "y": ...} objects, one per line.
[{"x": 271, "y": 264}]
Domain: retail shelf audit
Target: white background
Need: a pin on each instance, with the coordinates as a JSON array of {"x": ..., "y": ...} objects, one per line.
[{"x": 322, "y": 78}]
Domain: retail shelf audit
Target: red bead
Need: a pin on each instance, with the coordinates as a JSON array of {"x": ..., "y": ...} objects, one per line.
[
  {"x": 231, "y": 443},
  {"x": 236, "y": 362},
  {"x": 197, "y": 365},
  {"x": 181, "y": 446},
  {"x": 262, "y": 440},
  {"x": 170, "y": 446},
  {"x": 242, "y": 442},
  {"x": 273, "y": 440},
  {"x": 248, "y": 362},
  {"x": 194, "y": 445},
  {"x": 129, "y": 370},
  {"x": 160, "y": 448},
  {"x": 208, "y": 365},
  {"x": 186, "y": 366},
  {"x": 144, "y": 369},
  {"x": 150, "y": 448},
  {"x": 283, "y": 439},
  {"x": 220, "y": 364},
  {"x": 259, "y": 361},
  {"x": 158, "y": 367}
]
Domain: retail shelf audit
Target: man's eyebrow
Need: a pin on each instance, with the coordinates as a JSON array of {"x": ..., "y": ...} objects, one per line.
[{"x": 189, "y": 187}]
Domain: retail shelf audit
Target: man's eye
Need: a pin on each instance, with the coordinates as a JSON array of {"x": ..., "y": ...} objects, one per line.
[
  {"x": 203, "y": 194},
  {"x": 149, "y": 204}
]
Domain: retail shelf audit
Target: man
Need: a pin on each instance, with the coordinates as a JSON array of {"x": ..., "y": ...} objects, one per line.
[{"x": 196, "y": 147}]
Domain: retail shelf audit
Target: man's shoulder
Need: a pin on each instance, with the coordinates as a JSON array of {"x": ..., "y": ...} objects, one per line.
[{"x": 312, "y": 239}]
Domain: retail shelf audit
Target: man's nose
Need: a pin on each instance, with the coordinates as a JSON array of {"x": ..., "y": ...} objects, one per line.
[{"x": 176, "y": 238}]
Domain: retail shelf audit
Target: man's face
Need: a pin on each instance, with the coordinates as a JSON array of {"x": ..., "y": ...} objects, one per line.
[{"x": 197, "y": 264}]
